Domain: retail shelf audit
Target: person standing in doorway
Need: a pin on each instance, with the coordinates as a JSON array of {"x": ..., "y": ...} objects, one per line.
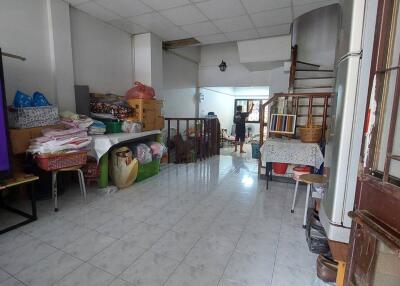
[{"x": 240, "y": 120}]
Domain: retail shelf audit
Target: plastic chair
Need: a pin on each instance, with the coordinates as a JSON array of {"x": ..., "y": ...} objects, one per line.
[{"x": 81, "y": 183}]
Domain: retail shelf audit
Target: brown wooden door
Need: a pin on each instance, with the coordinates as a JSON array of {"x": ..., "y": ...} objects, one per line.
[{"x": 374, "y": 256}]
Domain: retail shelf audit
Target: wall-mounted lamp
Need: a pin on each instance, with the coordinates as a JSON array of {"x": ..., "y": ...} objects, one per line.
[{"x": 222, "y": 66}]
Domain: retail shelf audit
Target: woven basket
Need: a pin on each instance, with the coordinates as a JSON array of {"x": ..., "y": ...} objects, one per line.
[
  {"x": 310, "y": 133},
  {"x": 51, "y": 162}
]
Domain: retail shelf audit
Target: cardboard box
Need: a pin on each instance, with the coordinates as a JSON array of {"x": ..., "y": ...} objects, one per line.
[
  {"x": 144, "y": 109},
  {"x": 160, "y": 121},
  {"x": 20, "y": 138}
]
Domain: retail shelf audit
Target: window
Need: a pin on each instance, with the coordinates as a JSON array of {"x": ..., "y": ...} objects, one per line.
[
  {"x": 254, "y": 116},
  {"x": 382, "y": 146}
]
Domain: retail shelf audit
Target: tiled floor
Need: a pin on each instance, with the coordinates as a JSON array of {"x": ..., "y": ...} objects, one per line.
[{"x": 211, "y": 223}]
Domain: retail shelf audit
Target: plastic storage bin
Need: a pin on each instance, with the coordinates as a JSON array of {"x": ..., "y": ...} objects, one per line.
[
  {"x": 148, "y": 170},
  {"x": 51, "y": 162},
  {"x": 280, "y": 168},
  {"x": 255, "y": 150},
  {"x": 29, "y": 117},
  {"x": 113, "y": 126}
]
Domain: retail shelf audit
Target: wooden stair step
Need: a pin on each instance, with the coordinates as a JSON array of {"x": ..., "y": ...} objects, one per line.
[
  {"x": 315, "y": 77},
  {"x": 308, "y": 64},
  {"x": 314, "y": 70},
  {"x": 315, "y": 86}
]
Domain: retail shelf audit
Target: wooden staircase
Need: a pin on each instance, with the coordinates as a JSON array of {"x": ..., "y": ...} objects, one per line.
[{"x": 310, "y": 90}]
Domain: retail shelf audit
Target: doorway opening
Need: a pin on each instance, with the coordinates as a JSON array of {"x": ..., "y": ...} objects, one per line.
[{"x": 222, "y": 102}]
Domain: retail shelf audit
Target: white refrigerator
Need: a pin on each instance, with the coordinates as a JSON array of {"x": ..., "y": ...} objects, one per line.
[{"x": 344, "y": 135}]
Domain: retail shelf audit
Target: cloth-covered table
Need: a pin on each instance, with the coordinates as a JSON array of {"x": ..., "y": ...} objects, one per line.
[
  {"x": 101, "y": 144},
  {"x": 291, "y": 151}
]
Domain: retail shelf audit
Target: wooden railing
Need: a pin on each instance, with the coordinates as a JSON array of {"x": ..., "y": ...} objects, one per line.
[
  {"x": 296, "y": 99},
  {"x": 201, "y": 137},
  {"x": 293, "y": 68}
]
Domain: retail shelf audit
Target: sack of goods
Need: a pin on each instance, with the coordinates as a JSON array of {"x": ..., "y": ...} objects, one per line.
[
  {"x": 110, "y": 107},
  {"x": 143, "y": 153},
  {"x": 124, "y": 168},
  {"x": 31, "y": 111},
  {"x": 140, "y": 91}
]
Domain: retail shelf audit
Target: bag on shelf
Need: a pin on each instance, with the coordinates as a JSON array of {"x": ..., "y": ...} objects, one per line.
[
  {"x": 157, "y": 149},
  {"x": 140, "y": 91},
  {"x": 142, "y": 153},
  {"x": 110, "y": 105}
]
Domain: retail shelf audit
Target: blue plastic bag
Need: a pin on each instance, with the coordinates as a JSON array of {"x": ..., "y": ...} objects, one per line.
[
  {"x": 22, "y": 100},
  {"x": 38, "y": 99}
]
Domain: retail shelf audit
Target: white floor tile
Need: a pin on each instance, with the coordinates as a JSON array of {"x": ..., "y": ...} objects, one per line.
[
  {"x": 49, "y": 270},
  {"x": 87, "y": 275},
  {"x": 19, "y": 259},
  {"x": 144, "y": 235},
  {"x": 249, "y": 269},
  {"x": 151, "y": 269},
  {"x": 206, "y": 223},
  {"x": 88, "y": 245},
  {"x": 118, "y": 226},
  {"x": 117, "y": 257},
  {"x": 186, "y": 275},
  {"x": 175, "y": 244},
  {"x": 209, "y": 256},
  {"x": 290, "y": 276},
  {"x": 12, "y": 282}
]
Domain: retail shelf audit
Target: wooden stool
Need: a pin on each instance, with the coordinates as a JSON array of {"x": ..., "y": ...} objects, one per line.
[
  {"x": 81, "y": 182},
  {"x": 310, "y": 179}
]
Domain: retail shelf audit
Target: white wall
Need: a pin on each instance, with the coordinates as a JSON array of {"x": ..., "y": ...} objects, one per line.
[
  {"x": 61, "y": 53},
  {"x": 39, "y": 31},
  {"x": 279, "y": 81},
  {"x": 24, "y": 30},
  {"x": 316, "y": 33},
  {"x": 265, "y": 53},
  {"x": 236, "y": 73},
  {"x": 148, "y": 60},
  {"x": 221, "y": 104},
  {"x": 102, "y": 55},
  {"x": 180, "y": 86}
]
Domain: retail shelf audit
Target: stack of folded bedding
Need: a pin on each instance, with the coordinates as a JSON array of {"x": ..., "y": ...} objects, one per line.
[
  {"x": 60, "y": 140},
  {"x": 97, "y": 128}
]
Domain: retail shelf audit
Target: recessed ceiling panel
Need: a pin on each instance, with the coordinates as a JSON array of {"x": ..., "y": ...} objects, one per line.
[
  {"x": 239, "y": 23},
  {"x": 255, "y": 6},
  {"x": 165, "y": 4},
  {"x": 219, "y": 9},
  {"x": 97, "y": 11},
  {"x": 125, "y": 8},
  {"x": 242, "y": 35},
  {"x": 272, "y": 17},
  {"x": 184, "y": 15},
  {"x": 201, "y": 29}
]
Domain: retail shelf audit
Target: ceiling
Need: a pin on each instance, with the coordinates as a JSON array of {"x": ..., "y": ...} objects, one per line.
[{"x": 209, "y": 21}]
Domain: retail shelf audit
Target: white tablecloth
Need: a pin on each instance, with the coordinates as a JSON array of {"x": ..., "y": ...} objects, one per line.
[
  {"x": 102, "y": 143},
  {"x": 291, "y": 151}
]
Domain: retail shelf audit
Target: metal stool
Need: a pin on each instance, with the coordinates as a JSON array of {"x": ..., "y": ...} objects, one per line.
[
  {"x": 297, "y": 172},
  {"x": 81, "y": 183},
  {"x": 310, "y": 179}
]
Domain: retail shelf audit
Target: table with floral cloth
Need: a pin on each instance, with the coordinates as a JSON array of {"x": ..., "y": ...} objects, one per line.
[{"x": 291, "y": 151}]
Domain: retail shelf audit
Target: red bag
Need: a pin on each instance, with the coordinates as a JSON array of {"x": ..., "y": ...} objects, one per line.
[{"x": 140, "y": 91}]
